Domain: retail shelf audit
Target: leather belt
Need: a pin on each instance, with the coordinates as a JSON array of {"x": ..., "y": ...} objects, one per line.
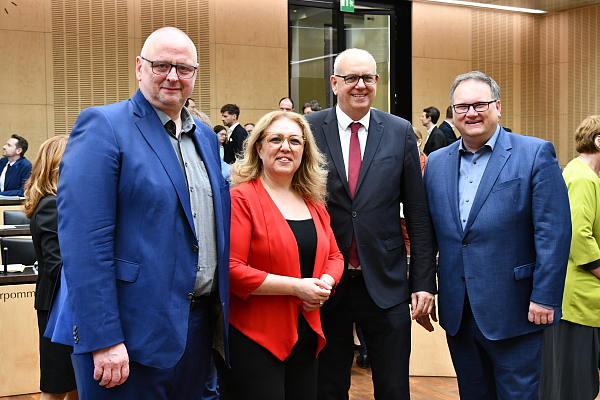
[
  {"x": 352, "y": 268},
  {"x": 202, "y": 301}
]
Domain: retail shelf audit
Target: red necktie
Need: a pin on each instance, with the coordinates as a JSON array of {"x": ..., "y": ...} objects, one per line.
[
  {"x": 354, "y": 158},
  {"x": 354, "y": 162}
]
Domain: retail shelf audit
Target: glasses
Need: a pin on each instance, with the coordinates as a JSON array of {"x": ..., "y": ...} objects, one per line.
[
  {"x": 368, "y": 79},
  {"x": 480, "y": 106},
  {"x": 276, "y": 140},
  {"x": 164, "y": 68}
]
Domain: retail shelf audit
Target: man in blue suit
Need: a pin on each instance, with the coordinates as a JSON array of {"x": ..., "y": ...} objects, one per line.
[
  {"x": 144, "y": 232},
  {"x": 503, "y": 229},
  {"x": 15, "y": 168}
]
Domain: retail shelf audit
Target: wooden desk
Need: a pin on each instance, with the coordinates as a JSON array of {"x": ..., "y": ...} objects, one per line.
[
  {"x": 18, "y": 230},
  {"x": 19, "y": 358},
  {"x": 12, "y": 202},
  {"x": 17, "y": 278}
]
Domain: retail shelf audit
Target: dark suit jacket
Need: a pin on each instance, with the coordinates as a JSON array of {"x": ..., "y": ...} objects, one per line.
[
  {"x": 448, "y": 133},
  {"x": 235, "y": 145},
  {"x": 436, "y": 140},
  {"x": 14, "y": 182},
  {"x": 44, "y": 228},
  {"x": 263, "y": 244},
  {"x": 515, "y": 245},
  {"x": 390, "y": 173},
  {"x": 129, "y": 244}
]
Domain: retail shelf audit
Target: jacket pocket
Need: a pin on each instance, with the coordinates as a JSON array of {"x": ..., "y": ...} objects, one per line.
[
  {"x": 126, "y": 271},
  {"x": 506, "y": 184},
  {"x": 394, "y": 243},
  {"x": 524, "y": 271}
]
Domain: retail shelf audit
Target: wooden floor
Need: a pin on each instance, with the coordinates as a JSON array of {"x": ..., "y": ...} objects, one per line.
[{"x": 421, "y": 388}]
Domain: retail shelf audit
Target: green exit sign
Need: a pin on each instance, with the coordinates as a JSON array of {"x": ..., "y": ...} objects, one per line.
[{"x": 347, "y": 5}]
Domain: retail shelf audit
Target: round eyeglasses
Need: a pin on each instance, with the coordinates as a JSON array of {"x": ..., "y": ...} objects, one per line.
[{"x": 276, "y": 140}]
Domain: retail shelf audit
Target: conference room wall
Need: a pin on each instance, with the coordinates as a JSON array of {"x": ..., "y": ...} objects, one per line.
[
  {"x": 62, "y": 56},
  {"x": 547, "y": 65}
]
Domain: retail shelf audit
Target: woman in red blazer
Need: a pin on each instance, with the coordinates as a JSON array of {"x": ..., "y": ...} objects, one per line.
[{"x": 284, "y": 263}]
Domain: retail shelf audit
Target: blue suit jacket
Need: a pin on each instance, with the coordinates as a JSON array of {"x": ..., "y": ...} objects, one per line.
[
  {"x": 127, "y": 235},
  {"x": 515, "y": 245},
  {"x": 14, "y": 182},
  {"x": 390, "y": 173}
]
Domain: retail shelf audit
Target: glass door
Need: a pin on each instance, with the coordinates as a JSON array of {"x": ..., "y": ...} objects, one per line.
[{"x": 318, "y": 34}]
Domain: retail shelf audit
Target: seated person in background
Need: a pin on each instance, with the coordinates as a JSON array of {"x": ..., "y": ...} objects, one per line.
[
  {"x": 15, "y": 168},
  {"x": 57, "y": 378},
  {"x": 311, "y": 107},
  {"x": 284, "y": 263}
]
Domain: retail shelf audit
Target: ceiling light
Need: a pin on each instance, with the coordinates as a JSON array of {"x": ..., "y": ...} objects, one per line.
[{"x": 494, "y": 6}]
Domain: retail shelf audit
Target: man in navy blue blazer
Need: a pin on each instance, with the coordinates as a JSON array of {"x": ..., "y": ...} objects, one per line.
[
  {"x": 373, "y": 164},
  {"x": 15, "y": 168},
  {"x": 503, "y": 228},
  {"x": 144, "y": 231}
]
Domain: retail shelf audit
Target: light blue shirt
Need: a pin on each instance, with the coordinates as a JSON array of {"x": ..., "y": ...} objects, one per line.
[{"x": 472, "y": 167}]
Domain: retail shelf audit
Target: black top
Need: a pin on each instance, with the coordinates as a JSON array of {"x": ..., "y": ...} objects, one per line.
[
  {"x": 306, "y": 239},
  {"x": 44, "y": 233}
]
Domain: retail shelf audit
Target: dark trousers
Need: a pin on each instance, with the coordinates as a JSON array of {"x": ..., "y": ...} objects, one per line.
[
  {"x": 185, "y": 380},
  {"x": 386, "y": 334},
  {"x": 256, "y": 374},
  {"x": 486, "y": 369}
]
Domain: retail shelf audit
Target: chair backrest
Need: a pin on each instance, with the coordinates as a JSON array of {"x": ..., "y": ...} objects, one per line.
[
  {"x": 15, "y": 217},
  {"x": 20, "y": 250}
]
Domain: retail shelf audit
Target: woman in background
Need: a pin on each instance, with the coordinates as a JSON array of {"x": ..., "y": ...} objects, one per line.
[
  {"x": 57, "y": 379},
  {"x": 572, "y": 347},
  {"x": 284, "y": 263},
  {"x": 222, "y": 134}
]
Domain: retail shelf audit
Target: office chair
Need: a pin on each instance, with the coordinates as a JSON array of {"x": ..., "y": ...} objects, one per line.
[
  {"x": 15, "y": 217},
  {"x": 20, "y": 250}
]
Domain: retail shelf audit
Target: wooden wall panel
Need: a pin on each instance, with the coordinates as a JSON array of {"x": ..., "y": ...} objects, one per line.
[{"x": 90, "y": 57}]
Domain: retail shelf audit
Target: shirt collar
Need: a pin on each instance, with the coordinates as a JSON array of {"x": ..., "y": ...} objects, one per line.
[
  {"x": 187, "y": 122},
  {"x": 344, "y": 121},
  {"x": 491, "y": 143}
]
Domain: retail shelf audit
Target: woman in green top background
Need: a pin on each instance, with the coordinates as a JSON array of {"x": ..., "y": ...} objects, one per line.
[{"x": 572, "y": 347}]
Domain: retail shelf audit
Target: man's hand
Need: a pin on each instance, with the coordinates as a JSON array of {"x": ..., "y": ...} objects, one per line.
[
  {"x": 422, "y": 303},
  {"x": 540, "y": 315},
  {"x": 112, "y": 365},
  {"x": 425, "y": 322}
]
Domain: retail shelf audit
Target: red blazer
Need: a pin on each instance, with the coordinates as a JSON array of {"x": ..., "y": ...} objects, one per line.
[{"x": 262, "y": 242}]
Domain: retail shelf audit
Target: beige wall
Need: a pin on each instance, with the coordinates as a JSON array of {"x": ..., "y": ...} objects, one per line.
[
  {"x": 547, "y": 66},
  {"x": 64, "y": 56}
]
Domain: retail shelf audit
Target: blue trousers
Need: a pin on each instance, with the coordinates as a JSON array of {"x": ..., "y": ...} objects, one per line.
[
  {"x": 185, "y": 380},
  {"x": 486, "y": 369}
]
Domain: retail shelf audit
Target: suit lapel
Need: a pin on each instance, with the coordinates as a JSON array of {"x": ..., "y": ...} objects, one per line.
[
  {"x": 451, "y": 179},
  {"x": 497, "y": 160},
  {"x": 332, "y": 138},
  {"x": 152, "y": 130},
  {"x": 373, "y": 138}
]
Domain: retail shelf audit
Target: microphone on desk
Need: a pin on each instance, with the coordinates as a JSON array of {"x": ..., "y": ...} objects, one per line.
[{"x": 5, "y": 258}]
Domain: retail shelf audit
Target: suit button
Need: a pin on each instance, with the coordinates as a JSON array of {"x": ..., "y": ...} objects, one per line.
[
  {"x": 190, "y": 295},
  {"x": 76, "y": 340},
  {"x": 465, "y": 244},
  {"x": 195, "y": 248},
  {"x": 346, "y": 248},
  {"x": 462, "y": 278},
  {"x": 354, "y": 214}
]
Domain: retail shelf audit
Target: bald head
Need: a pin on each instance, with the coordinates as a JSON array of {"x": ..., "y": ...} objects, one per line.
[
  {"x": 166, "y": 92},
  {"x": 350, "y": 54}
]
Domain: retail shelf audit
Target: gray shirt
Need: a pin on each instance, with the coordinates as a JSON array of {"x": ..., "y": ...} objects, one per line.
[{"x": 201, "y": 199}]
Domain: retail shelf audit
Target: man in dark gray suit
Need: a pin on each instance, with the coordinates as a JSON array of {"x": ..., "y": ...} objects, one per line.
[{"x": 374, "y": 166}]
